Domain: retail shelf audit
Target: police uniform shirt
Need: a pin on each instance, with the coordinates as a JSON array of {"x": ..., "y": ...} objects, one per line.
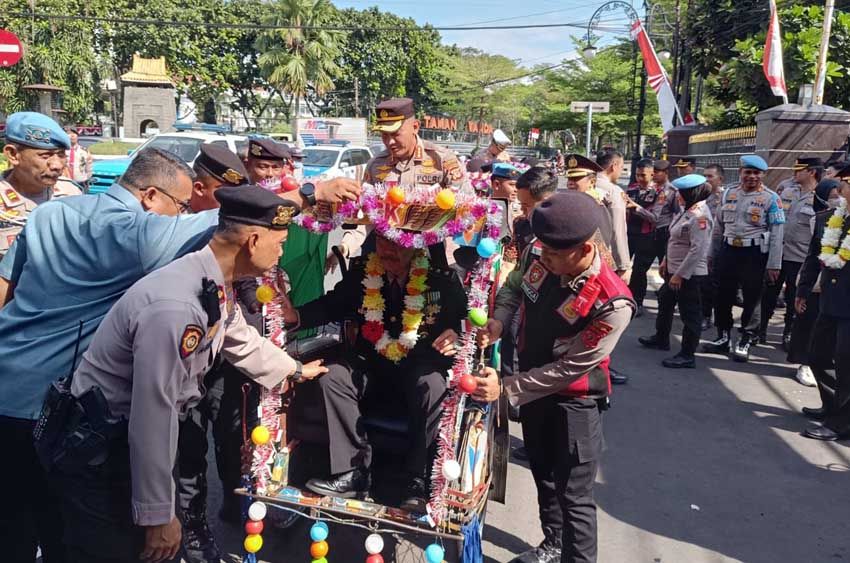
[
  {"x": 753, "y": 217},
  {"x": 660, "y": 205},
  {"x": 430, "y": 164},
  {"x": 150, "y": 355},
  {"x": 574, "y": 356},
  {"x": 71, "y": 263},
  {"x": 799, "y": 215},
  {"x": 16, "y": 207},
  {"x": 615, "y": 201},
  {"x": 485, "y": 154},
  {"x": 690, "y": 241}
]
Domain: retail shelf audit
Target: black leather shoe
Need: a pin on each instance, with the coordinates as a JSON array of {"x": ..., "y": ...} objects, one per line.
[
  {"x": 761, "y": 338},
  {"x": 654, "y": 342},
  {"x": 720, "y": 345},
  {"x": 814, "y": 414},
  {"x": 786, "y": 341},
  {"x": 639, "y": 311},
  {"x": 199, "y": 544},
  {"x": 825, "y": 434},
  {"x": 544, "y": 553},
  {"x": 416, "y": 496},
  {"x": 353, "y": 484},
  {"x": 618, "y": 377},
  {"x": 741, "y": 352},
  {"x": 678, "y": 362}
]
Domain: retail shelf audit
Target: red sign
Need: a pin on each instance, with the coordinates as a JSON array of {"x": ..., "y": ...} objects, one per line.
[{"x": 10, "y": 48}]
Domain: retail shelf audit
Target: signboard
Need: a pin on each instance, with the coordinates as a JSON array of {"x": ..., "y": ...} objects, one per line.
[
  {"x": 11, "y": 50},
  {"x": 535, "y": 134},
  {"x": 581, "y": 107}
]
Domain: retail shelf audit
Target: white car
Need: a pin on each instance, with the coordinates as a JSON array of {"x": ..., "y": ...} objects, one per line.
[{"x": 333, "y": 161}]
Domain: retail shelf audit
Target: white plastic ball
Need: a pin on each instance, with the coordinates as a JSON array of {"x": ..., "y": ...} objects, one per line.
[
  {"x": 451, "y": 469},
  {"x": 257, "y": 511},
  {"x": 374, "y": 544}
]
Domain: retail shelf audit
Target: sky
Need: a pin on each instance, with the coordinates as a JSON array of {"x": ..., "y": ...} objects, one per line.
[{"x": 530, "y": 46}]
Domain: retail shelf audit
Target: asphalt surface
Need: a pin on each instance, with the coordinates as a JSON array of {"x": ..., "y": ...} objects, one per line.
[{"x": 701, "y": 465}]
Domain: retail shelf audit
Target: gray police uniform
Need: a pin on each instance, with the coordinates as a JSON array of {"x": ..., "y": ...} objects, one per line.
[
  {"x": 687, "y": 257},
  {"x": 751, "y": 224},
  {"x": 797, "y": 233},
  {"x": 658, "y": 208},
  {"x": 149, "y": 357}
]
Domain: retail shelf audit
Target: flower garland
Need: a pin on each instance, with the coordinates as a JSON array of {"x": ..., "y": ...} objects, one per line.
[
  {"x": 832, "y": 255},
  {"x": 394, "y": 349},
  {"x": 469, "y": 209}
]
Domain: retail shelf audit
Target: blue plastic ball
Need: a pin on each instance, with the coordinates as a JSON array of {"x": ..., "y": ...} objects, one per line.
[
  {"x": 319, "y": 531},
  {"x": 434, "y": 553},
  {"x": 486, "y": 248}
]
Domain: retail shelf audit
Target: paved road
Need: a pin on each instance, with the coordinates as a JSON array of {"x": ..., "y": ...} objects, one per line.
[{"x": 701, "y": 465}]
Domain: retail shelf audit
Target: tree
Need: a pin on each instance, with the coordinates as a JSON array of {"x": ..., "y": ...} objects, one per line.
[{"x": 296, "y": 59}]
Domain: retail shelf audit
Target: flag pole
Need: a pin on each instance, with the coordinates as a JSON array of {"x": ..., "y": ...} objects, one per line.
[{"x": 820, "y": 76}]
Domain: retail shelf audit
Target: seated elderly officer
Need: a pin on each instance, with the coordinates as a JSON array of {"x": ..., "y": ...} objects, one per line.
[
  {"x": 144, "y": 369},
  {"x": 408, "y": 312}
]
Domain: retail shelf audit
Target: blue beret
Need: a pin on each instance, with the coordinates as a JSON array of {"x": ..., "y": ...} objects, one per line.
[
  {"x": 36, "y": 130},
  {"x": 567, "y": 219},
  {"x": 505, "y": 170},
  {"x": 753, "y": 161},
  {"x": 689, "y": 181},
  {"x": 253, "y": 205}
]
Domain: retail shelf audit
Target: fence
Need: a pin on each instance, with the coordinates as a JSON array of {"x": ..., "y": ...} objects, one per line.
[{"x": 724, "y": 148}]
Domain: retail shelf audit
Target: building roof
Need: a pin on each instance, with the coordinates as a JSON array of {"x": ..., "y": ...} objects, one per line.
[{"x": 148, "y": 71}]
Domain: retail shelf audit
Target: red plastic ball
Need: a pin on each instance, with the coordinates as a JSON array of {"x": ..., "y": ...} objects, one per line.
[
  {"x": 254, "y": 527},
  {"x": 289, "y": 184},
  {"x": 468, "y": 384},
  {"x": 375, "y": 558}
]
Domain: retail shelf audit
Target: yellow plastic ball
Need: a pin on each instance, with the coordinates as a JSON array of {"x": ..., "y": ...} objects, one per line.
[
  {"x": 265, "y": 294},
  {"x": 253, "y": 543},
  {"x": 445, "y": 200},
  {"x": 395, "y": 195},
  {"x": 319, "y": 549},
  {"x": 260, "y": 435}
]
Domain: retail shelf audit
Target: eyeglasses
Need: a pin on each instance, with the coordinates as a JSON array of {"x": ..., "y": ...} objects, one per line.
[{"x": 183, "y": 205}]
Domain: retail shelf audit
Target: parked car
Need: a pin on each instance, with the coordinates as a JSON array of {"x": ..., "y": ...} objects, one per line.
[
  {"x": 185, "y": 142},
  {"x": 334, "y": 160}
]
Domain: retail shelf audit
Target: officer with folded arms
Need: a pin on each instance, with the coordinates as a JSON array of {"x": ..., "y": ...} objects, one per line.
[{"x": 750, "y": 249}]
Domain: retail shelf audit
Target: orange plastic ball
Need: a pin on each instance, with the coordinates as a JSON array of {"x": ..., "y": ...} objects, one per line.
[
  {"x": 445, "y": 200},
  {"x": 319, "y": 549},
  {"x": 395, "y": 195}
]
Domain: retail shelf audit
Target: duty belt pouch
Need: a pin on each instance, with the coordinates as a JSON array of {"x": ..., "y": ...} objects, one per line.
[
  {"x": 87, "y": 438},
  {"x": 59, "y": 405}
]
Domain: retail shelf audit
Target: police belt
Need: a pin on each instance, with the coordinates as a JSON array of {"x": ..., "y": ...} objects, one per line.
[{"x": 739, "y": 242}]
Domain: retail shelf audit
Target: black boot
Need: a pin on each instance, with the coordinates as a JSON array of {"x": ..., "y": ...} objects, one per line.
[
  {"x": 351, "y": 484},
  {"x": 416, "y": 496},
  {"x": 655, "y": 342},
  {"x": 720, "y": 345},
  {"x": 741, "y": 353},
  {"x": 199, "y": 544},
  {"x": 815, "y": 413},
  {"x": 547, "y": 552},
  {"x": 679, "y": 361}
]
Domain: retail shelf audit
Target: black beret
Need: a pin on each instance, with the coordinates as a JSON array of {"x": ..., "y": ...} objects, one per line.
[
  {"x": 221, "y": 164},
  {"x": 566, "y": 219},
  {"x": 645, "y": 163},
  {"x": 252, "y": 205},
  {"x": 661, "y": 165},
  {"x": 267, "y": 149}
]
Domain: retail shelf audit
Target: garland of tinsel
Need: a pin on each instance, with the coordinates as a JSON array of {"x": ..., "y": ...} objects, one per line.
[{"x": 453, "y": 405}]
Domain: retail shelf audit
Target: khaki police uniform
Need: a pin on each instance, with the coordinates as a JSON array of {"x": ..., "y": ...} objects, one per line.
[
  {"x": 486, "y": 154},
  {"x": 430, "y": 164},
  {"x": 615, "y": 201}
]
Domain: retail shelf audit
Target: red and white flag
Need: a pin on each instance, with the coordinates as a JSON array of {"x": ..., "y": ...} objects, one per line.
[
  {"x": 774, "y": 70},
  {"x": 667, "y": 108}
]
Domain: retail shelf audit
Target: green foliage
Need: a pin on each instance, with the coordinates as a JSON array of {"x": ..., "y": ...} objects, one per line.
[{"x": 112, "y": 148}]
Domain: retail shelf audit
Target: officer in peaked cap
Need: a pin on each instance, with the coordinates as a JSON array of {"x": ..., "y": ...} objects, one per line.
[
  {"x": 685, "y": 165},
  {"x": 266, "y": 162},
  {"x": 215, "y": 166},
  {"x": 497, "y": 150},
  {"x": 35, "y": 149}
]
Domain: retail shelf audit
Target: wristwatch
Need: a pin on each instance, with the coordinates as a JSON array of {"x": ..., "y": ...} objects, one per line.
[
  {"x": 298, "y": 375},
  {"x": 308, "y": 192}
]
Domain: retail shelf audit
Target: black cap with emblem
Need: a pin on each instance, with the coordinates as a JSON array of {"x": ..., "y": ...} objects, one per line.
[
  {"x": 390, "y": 114},
  {"x": 579, "y": 166},
  {"x": 804, "y": 163},
  {"x": 267, "y": 149},
  {"x": 221, "y": 164},
  {"x": 567, "y": 219},
  {"x": 252, "y": 205},
  {"x": 685, "y": 161}
]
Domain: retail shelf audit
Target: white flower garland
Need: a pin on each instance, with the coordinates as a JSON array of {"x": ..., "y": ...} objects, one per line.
[{"x": 832, "y": 255}]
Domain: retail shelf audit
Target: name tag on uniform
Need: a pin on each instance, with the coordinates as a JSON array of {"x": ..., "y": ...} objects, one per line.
[{"x": 428, "y": 179}]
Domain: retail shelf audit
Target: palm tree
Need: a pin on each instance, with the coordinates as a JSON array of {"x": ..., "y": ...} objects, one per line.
[{"x": 297, "y": 59}]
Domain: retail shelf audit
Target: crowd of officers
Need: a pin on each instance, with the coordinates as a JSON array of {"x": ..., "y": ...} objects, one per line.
[{"x": 578, "y": 259}]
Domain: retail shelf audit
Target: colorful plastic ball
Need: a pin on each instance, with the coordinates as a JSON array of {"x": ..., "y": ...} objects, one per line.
[
  {"x": 375, "y": 558},
  {"x": 319, "y": 549},
  {"x": 253, "y": 543},
  {"x": 445, "y": 199},
  {"x": 451, "y": 469},
  {"x": 486, "y": 248},
  {"x": 257, "y": 511},
  {"x": 265, "y": 294},
  {"x": 289, "y": 184},
  {"x": 395, "y": 195},
  {"x": 260, "y": 435},
  {"x": 254, "y": 527},
  {"x": 434, "y": 553},
  {"x": 468, "y": 383},
  {"x": 478, "y": 317},
  {"x": 320, "y": 560},
  {"x": 319, "y": 531},
  {"x": 374, "y": 544}
]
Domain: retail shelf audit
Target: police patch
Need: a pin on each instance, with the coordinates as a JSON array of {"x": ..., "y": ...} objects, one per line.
[
  {"x": 597, "y": 330},
  {"x": 567, "y": 311},
  {"x": 535, "y": 275},
  {"x": 190, "y": 340}
]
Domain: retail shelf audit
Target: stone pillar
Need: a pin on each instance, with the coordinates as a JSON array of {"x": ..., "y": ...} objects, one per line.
[
  {"x": 143, "y": 104},
  {"x": 789, "y": 131},
  {"x": 677, "y": 140}
]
